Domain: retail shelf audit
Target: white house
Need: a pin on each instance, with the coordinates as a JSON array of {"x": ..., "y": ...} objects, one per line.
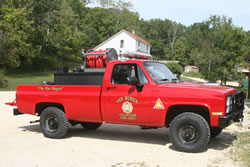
[
  {"x": 191, "y": 69},
  {"x": 127, "y": 44}
]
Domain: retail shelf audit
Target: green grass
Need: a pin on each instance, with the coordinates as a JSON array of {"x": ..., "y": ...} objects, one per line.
[
  {"x": 240, "y": 151},
  {"x": 183, "y": 78},
  {"x": 26, "y": 79},
  {"x": 193, "y": 74}
]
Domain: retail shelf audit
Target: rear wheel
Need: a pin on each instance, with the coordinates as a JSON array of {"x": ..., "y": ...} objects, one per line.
[
  {"x": 215, "y": 131},
  {"x": 90, "y": 125},
  {"x": 189, "y": 132},
  {"x": 54, "y": 123}
]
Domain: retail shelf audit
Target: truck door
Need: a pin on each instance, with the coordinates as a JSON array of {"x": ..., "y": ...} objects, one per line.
[{"x": 122, "y": 102}]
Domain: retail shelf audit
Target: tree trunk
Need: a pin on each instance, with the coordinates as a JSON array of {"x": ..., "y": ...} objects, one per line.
[
  {"x": 209, "y": 69},
  {"x": 172, "y": 36}
]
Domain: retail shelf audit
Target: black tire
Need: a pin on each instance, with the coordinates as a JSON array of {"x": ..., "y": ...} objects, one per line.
[
  {"x": 53, "y": 123},
  {"x": 90, "y": 125},
  {"x": 189, "y": 132},
  {"x": 215, "y": 131}
]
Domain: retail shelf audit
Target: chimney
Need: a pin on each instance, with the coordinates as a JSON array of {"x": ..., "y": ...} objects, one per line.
[{"x": 133, "y": 31}]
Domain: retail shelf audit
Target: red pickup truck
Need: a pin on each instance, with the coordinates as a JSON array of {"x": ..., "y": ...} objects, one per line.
[{"x": 134, "y": 92}]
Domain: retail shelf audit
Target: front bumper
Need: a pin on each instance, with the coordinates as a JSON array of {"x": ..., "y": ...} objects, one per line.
[
  {"x": 236, "y": 115},
  {"x": 233, "y": 117}
]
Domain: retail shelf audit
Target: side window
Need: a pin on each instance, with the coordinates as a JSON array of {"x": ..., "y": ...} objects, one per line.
[
  {"x": 142, "y": 78},
  {"x": 121, "y": 72}
]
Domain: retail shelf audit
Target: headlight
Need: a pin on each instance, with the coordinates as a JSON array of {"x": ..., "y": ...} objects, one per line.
[
  {"x": 229, "y": 100},
  {"x": 229, "y": 104}
]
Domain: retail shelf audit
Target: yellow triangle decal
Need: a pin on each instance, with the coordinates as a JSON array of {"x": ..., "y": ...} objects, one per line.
[{"x": 159, "y": 105}]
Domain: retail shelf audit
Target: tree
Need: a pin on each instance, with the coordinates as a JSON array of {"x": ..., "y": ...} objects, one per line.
[
  {"x": 173, "y": 33},
  {"x": 175, "y": 68},
  {"x": 15, "y": 33},
  {"x": 166, "y": 32},
  {"x": 65, "y": 36},
  {"x": 58, "y": 38},
  {"x": 220, "y": 50},
  {"x": 180, "y": 51},
  {"x": 44, "y": 34},
  {"x": 207, "y": 59}
]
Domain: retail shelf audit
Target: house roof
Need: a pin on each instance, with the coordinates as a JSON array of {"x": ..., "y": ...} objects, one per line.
[
  {"x": 138, "y": 38},
  {"x": 130, "y": 34}
]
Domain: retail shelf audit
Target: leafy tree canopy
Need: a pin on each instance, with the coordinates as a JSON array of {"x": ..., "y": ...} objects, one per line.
[{"x": 44, "y": 34}]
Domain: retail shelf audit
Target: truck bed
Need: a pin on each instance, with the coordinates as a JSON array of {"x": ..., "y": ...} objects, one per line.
[{"x": 80, "y": 103}]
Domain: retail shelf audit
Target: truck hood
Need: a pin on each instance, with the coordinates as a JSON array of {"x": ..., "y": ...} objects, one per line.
[{"x": 200, "y": 86}]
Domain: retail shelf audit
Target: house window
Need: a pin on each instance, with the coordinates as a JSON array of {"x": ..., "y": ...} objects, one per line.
[
  {"x": 139, "y": 45},
  {"x": 122, "y": 44}
]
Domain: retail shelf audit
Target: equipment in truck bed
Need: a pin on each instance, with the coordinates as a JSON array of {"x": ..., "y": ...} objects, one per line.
[
  {"x": 79, "y": 78},
  {"x": 92, "y": 71},
  {"x": 93, "y": 68}
]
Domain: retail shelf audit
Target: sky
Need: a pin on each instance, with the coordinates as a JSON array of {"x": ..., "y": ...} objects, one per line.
[{"x": 188, "y": 12}]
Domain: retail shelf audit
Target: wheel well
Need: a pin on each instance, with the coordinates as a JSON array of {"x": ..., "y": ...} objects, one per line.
[
  {"x": 173, "y": 111},
  {"x": 41, "y": 106}
]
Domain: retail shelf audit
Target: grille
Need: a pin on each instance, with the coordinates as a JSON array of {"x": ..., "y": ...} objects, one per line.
[{"x": 238, "y": 102}]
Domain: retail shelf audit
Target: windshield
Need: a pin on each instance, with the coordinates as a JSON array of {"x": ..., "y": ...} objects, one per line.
[{"x": 159, "y": 72}]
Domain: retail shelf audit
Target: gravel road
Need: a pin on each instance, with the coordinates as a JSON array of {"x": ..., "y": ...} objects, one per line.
[{"x": 23, "y": 145}]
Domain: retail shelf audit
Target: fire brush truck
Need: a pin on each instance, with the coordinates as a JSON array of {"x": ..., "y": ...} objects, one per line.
[{"x": 133, "y": 92}]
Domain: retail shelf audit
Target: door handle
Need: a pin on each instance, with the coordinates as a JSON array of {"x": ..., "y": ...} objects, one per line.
[{"x": 111, "y": 88}]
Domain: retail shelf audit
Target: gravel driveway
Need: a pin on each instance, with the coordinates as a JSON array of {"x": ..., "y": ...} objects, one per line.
[{"x": 23, "y": 145}]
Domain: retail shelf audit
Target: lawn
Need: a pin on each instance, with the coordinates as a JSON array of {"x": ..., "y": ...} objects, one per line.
[
  {"x": 240, "y": 151},
  {"x": 26, "y": 79},
  {"x": 193, "y": 74},
  {"x": 183, "y": 78}
]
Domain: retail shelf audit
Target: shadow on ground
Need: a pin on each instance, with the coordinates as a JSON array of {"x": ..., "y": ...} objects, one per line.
[
  {"x": 130, "y": 133},
  {"x": 114, "y": 132},
  {"x": 222, "y": 141}
]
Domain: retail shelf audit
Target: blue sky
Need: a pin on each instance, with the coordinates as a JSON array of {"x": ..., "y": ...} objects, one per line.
[{"x": 188, "y": 12}]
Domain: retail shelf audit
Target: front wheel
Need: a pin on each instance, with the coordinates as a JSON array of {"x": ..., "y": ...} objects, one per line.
[
  {"x": 54, "y": 123},
  {"x": 189, "y": 132}
]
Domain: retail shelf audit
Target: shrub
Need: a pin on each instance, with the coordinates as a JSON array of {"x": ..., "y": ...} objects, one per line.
[
  {"x": 44, "y": 63},
  {"x": 3, "y": 81},
  {"x": 175, "y": 68}
]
